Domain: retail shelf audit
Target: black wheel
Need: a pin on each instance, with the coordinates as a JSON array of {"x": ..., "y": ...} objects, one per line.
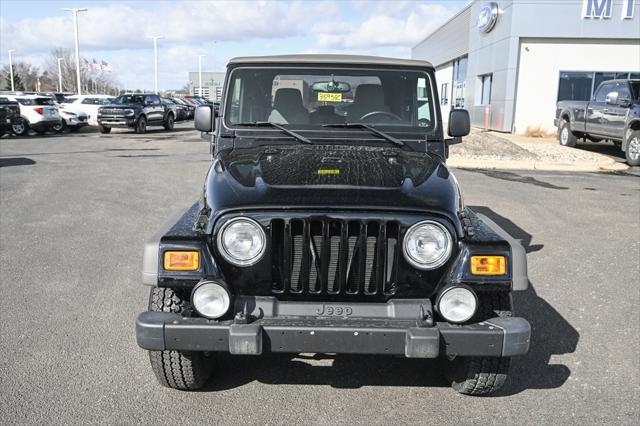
[
  {"x": 566, "y": 136},
  {"x": 481, "y": 375},
  {"x": 632, "y": 153},
  {"x": 169, "y": 122},
  {"x": 59, "y": 128},
  {"x": 2, "y": 132},
  {"x": 141, "y": 125},
  {"x": 104, "y": 129},
  {"x": 177, "y": 369},
  {"x": 20, "y": 128}
]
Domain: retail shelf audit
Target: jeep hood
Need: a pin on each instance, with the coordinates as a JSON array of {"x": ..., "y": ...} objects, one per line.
[{"x": 330, "y": 177}]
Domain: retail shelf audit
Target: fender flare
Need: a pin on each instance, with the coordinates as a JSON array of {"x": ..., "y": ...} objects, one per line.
[{"x": 636, "y": 122}]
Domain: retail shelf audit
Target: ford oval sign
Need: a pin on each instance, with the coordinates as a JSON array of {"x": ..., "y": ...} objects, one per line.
[{"x": 487, "y": 17}]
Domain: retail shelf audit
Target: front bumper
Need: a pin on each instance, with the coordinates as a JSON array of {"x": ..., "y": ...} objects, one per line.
[
  {"x": 394, "y": 332},
  {"x": 117, "y": 121}
]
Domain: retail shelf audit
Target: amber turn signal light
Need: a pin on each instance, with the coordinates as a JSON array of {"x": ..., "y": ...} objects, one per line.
[
  {"x": 488, "y": 265},
  {"x": 181, "y": 260}
]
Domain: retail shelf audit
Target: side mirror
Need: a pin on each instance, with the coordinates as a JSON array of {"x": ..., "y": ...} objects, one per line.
[
  {"x": 203, "y": 119},
  {"x": 612, "y": 98},
  {"x": 459, "y": 123}
]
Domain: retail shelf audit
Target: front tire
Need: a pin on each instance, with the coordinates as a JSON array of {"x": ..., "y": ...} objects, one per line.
[
  {"x": 176, "y": 369},
  {"x": 141, "y": 125},
  {"x": 169, "y": 122},
  {"x": 482, "y": 375},
  {"x": 21, "y": 128},
  {"x": 632, "y": 152},
  {"x": 104, "y": 129},
  {"x": 566, "y": 136}
]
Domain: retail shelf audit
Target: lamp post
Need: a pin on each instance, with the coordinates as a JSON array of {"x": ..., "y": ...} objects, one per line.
[
  {"x": 60, "y": 74},
  {"x": 75, "y": 32},
  {"x": 11, "y": 69},
  {"x": 155, "y": 60},
  {"x": 200, "y": 74}
]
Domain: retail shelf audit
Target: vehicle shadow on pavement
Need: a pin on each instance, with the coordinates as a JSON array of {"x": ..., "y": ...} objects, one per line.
[
  {"x": 16, "y": 161},
  {"x": 551, "y": 333}
]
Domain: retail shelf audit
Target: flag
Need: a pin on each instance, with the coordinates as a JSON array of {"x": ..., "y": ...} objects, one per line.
[{"x": 106, "y": 67}]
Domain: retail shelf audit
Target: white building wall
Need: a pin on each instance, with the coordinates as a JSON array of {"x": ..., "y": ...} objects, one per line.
[
  {"x": 444, "y": 75},
  {"x": 539, "y": 70}
]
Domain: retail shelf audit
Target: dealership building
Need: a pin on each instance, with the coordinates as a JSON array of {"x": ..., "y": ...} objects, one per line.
[
  {"x": 509, "y": 62},
  {"x": 212, "y": 83}
]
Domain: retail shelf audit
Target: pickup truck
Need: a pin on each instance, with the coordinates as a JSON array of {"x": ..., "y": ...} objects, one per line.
[
  {"x": 135, "y": 111},
  {"x": 613, "y": 113}
]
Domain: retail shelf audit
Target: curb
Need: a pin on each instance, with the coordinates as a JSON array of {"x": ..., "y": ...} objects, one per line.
[{"x": 605, "y": 167}]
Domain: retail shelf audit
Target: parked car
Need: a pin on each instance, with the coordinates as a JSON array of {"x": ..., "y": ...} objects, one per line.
[
  {"x": 178, "y": 112},
  {"x": 88, "y": 104},
  {"x": 70, "y": 118},
  {"x": 9, "y": 114},
  {"x": 613, "y": 113},
  {"x": 323, "y": 235},
  {"x": 135, "y": 111},
  {"x": 37, "y": 113},
  {"x": 188, "y": 109},
  {"x": 199, "y": 100}
]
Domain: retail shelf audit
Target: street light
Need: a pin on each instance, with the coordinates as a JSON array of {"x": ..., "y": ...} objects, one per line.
[
  {"x": 155, "y": 59},
  {"x": 60, "y": 75},
  {"x": 75, "y": 32},
  {"x": 11, "y": 69},
  {"x": 200, "y": 73}
]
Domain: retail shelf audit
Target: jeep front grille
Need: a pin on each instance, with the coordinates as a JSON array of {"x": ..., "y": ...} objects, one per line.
[{"x": 334, "y": 257}]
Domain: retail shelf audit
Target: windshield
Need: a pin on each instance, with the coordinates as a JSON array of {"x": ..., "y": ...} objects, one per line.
[
  {"x": 129, "y": 99},
  {"x": 308, "y": 99}
]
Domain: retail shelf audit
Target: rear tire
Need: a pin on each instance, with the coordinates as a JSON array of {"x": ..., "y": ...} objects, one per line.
[
  {"x": 482, "y": 375},
  {"x": 141, "y": 125},
  {"x": 59, "y": 128},
  {"x": 566, "y": 136},
  {"x": 632, "y": 152},
  {"x": 176, "y": 369},
  {"x": 104, "y": 129},
  {"x": 169, "y": 122}
]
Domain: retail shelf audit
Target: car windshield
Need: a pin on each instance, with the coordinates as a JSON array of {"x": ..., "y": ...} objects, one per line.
[
  {"x": 129, "y": 99},
  {"x": 308, "y": 99}
]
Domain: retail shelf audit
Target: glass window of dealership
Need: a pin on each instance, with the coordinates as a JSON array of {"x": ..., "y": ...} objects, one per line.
[{"x": 509, "y": 62}]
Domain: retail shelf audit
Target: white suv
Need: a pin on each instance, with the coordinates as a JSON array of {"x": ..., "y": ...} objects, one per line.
[
  {"x": 88, "y": 104},
  {"x": 38, "y": 113}
]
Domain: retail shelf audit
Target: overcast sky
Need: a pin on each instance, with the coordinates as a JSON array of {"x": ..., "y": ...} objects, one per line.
[{"x": 117, "y": 32}]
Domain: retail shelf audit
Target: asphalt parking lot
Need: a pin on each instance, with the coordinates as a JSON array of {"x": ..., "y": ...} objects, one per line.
[{"x": 76, "y": 209}]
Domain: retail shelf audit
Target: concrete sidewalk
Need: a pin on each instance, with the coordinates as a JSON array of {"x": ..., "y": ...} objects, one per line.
[{"x": 493, "y": 150}]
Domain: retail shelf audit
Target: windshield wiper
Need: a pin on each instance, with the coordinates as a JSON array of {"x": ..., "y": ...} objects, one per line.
[
  {"x": 369, "y": 128},
  {"x": 279, "y": 127}
]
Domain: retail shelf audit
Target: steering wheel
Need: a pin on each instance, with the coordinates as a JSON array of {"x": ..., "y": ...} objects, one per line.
[{"x": 374, "y": 113}]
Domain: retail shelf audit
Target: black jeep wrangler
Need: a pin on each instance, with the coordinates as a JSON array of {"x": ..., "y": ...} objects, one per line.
[
  {"x": 9, "y": 115},
  {"x": 136, "y": 111},
  {"x": 330, "y": 223}
]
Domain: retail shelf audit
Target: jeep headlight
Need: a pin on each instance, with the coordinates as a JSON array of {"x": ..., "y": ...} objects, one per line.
[
  {"x": 242, "y": 241},
  {"x": 427, "y": 245}
]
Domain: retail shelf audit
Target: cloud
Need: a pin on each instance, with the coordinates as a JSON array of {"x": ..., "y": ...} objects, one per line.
[{"x": 383, "y": 28}]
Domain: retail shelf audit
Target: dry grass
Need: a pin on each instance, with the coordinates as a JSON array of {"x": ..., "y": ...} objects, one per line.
[{"x": 538, "y": 132}]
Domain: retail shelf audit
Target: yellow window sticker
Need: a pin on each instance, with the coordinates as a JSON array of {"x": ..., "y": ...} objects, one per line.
[
  {"x": 329, "y": 97},
  {"x": 328, "y": 171}
]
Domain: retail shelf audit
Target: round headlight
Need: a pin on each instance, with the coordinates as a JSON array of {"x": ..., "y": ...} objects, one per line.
[
  {"x": 427, "y": 245},
  {"x": 211, "y": 299},
  {"x": 242, "y": 241},
  {"x": 457, "y": 304}
]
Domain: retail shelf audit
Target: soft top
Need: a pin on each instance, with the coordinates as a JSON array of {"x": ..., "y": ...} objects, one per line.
[{"x": 330, "y": 59}]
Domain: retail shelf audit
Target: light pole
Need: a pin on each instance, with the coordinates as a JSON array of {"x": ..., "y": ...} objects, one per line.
[
  {"x": 11, "y": 69},
  {"x": 155, "y": 60},
  {"x": 75, "y": 32},
  {"x": 200, "y": 74},
  {"x": 60, "y": 74}
]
